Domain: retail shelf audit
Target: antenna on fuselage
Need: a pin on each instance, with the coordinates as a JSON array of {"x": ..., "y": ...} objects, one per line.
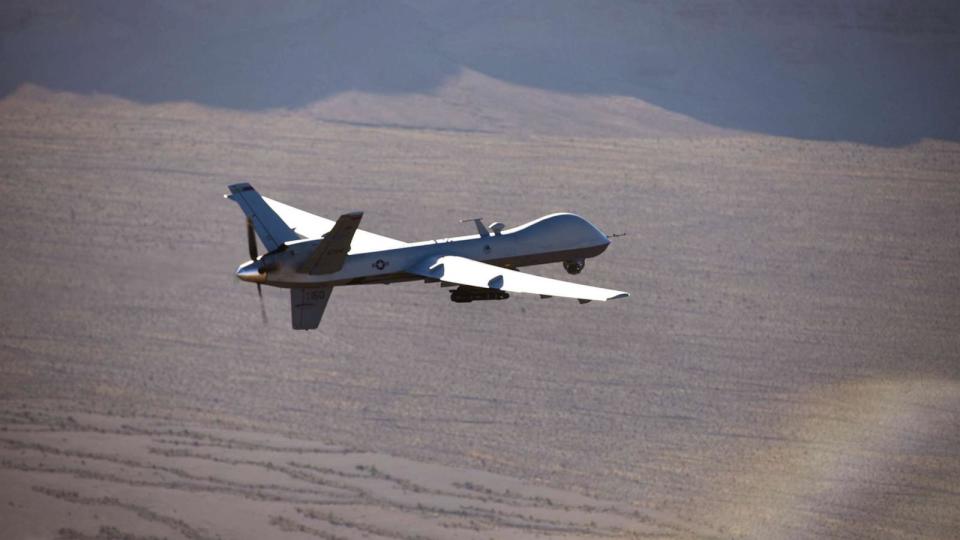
[{"x": 478, "y": 221}]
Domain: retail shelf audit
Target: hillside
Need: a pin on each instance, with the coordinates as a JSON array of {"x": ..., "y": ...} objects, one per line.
[{"x": 882, "y": 73}]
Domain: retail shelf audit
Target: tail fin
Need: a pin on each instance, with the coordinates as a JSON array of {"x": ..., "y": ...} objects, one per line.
[
  {"x": 307, "y": 306},
  {"x": 271, "y": 230},
  {"x": 331, "y": 252}
]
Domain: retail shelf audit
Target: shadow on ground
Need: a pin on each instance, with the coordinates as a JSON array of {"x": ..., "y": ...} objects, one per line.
[{"x": 882, "y": 73}]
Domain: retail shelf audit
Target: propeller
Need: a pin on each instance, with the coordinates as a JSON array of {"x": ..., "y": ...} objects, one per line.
[
  {"x": 263, "y": 309},
  {"x": 251, "y": 240},
  {"x": 252, "y": 246}
]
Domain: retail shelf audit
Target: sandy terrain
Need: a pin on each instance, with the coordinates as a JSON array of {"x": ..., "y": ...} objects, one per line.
[
  {"x": 788, "y": 361},
  {"x": 787, "y": 366},
  {"x": 158, "y": 478}
]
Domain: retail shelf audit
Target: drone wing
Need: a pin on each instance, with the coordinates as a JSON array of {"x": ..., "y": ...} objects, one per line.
[
  {"x": 307, "y": 225},
  {"x": 473, "y": 273},
  {"x": 271, "y": 229}
]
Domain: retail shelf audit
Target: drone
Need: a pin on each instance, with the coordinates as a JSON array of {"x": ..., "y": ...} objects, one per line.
[{"x": 311, "y": 255}]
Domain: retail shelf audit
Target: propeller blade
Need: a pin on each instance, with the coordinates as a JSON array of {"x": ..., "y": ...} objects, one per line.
[
  {"x": 251, "y": 241},
  {"x": 263, "y": 310}
]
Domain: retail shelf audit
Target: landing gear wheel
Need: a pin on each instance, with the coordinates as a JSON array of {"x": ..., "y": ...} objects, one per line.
[{"x": 574, "y": 266}]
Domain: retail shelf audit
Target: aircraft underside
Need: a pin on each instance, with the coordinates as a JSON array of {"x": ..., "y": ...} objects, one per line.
[{"x": 311, "y": 255}]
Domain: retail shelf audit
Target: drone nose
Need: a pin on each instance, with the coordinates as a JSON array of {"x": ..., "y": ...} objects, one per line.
[{"x": 251, "y": 272}]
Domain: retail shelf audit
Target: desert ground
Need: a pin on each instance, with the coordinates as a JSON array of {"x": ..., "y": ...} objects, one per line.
[{"x": 788, "y": 365}]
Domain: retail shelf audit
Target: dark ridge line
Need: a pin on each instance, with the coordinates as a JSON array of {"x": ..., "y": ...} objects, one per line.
[
  {"x": 176, "y": 524},
  {"x": 254, "y": 494},
  {"x": 286, "y": 524},
  {"x": 337, "y": 521},
  {"x": 106, "y": 532},
  {"x": 292, "y": 473},
  {"x": 224, "y": 484},
  {"x": 405, "y": 127}
]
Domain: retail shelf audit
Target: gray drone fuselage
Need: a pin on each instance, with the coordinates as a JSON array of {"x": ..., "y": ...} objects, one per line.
[
  {"x": 553, "y": 238},
  {"x": 311, "y": 255}
]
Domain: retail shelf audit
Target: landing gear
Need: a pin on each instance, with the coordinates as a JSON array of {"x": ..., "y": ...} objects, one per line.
[{"x": 575, "y": 266}]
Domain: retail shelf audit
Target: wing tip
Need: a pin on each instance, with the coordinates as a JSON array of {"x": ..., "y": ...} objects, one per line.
[
  {"x": 621, "y": 295},
  {"x": 240, "y": 186}
]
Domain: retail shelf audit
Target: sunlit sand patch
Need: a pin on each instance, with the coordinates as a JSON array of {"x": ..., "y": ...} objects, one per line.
[{"x": 883, "y": 447}]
